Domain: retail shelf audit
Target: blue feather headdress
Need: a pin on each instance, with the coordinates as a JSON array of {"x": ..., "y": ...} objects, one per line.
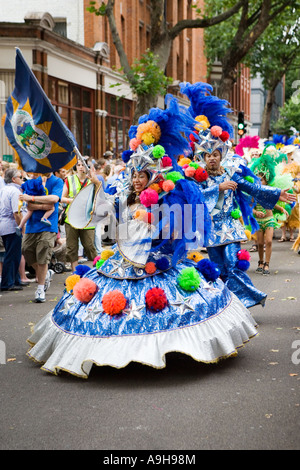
[{"x": 210, "y": 112}]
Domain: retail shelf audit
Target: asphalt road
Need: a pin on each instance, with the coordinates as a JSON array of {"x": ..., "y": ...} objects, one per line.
[{"x": 248, "y": 402}]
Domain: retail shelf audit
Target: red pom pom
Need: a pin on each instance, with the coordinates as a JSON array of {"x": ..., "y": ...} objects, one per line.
[
  {"x": 156, "y": 299},
  {"x": 200, "y": 175},
  {"x": 150, "y": 267},
  {"x": 192, "y": 145},
  {"x": 84, "y": 290},
  {"x": 148, "y": 218},
  {"x": 193, "y": 138},
  {"x": 224, "y": 136},
  {"x": 244, "y": 254},
  {"x": 113, "y": 302}
]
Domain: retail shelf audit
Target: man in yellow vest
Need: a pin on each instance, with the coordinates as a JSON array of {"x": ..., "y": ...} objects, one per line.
[{"x": 73, "y": 184}]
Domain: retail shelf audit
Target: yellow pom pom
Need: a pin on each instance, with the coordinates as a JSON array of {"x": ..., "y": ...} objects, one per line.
[
  {"x": 194, "y": 256},
  {"x": 248, "y": 234},
  {"x": 148, "y": 138},
  {"x": 184, "y": 161},
  {"x": 203, "y": 122},
  {"x": 71, "y": 281},
  {"x": 107, "y": 254}
]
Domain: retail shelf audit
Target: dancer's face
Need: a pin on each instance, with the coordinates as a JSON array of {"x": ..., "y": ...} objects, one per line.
[
  {"x": 213, "y": 160},
  {"x": 139, "y": 181}
]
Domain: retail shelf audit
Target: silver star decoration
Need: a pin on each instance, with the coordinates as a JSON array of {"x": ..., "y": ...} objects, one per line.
[
  {"x": 140, "y": 159},
  {"x": 209, "y": 286},
  {"x": 68, "y": 304},
  {"x": 231, "y": 165},
  {"x": 183, "y": 303},
  {"x": 93, "y": 311},
  {"x": 119, "y": 267},
  {"x": 240, "y": 230},
  {"x": 134, "y": 311},
  {"x": 226, "y": 233}
]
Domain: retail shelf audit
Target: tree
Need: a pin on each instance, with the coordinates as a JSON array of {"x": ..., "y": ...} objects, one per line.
[
  {"x": 289, "y": 116},
  {"x": 232, "y": 40},
  {"x": 276, "y": 52},
  {"x": 162, "y": 36}
]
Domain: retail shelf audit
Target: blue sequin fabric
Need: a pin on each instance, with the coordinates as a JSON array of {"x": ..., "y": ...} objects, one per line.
[{"x": 183, "y": 309}]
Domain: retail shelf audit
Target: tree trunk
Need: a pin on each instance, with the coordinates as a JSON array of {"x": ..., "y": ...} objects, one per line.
[
  {"x": 266, "y": 119},
  {"x": 143, "y": 105}
]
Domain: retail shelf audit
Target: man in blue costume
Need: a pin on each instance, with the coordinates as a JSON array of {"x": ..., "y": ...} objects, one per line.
[{"x": 231, "y": 191}]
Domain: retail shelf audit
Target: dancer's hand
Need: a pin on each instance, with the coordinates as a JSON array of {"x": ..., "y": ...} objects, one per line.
[
  {"x": 287, "y": 197},
  {"x": 227, "y": 185}
]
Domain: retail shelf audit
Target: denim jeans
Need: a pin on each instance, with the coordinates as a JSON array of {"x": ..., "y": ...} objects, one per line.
[{"x": 10, "y": 270}]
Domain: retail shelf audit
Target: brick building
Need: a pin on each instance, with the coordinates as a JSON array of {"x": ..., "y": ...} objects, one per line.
[{"x": 73, "y": 56}]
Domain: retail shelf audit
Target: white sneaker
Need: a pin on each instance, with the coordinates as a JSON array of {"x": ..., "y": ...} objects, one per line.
[
  {"x": 48, "y": 279},
  {"x": 40, "y": 296}
]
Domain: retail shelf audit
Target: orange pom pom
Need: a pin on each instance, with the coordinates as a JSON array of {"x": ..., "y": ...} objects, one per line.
[
  {"x": 168, "y": 185},
  {"x": 113, "y": 302},
  {"x": 150, "y": 268},
  {"x": 85, "y": 289}
]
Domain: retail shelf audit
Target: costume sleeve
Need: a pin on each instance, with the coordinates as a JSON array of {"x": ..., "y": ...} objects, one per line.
[
  {"x": 211, "y": 196},
  {"x": 266, "y": 196}
]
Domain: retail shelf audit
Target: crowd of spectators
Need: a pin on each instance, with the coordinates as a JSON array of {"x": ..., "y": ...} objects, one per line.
[{"x": 26, "y": 254}]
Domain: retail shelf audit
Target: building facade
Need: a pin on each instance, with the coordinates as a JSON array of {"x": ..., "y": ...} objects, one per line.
[{"x": 73, "y": 56}]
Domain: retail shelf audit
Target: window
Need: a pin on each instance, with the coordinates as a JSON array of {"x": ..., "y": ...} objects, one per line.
[
  {"x": 74, "y": 104},
  {"x": 117, "y": 124}
]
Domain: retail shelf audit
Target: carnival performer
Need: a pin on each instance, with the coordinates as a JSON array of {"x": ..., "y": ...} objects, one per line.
[
  {"x": 265, "y": 168},
  {"x": 144, "y": 298},
  {"x": 292, "y": 167},
  {"x": 231, "y": 190}
]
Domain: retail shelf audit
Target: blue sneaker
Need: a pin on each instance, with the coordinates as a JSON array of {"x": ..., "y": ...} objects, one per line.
[{"x": 46, "y": 221}]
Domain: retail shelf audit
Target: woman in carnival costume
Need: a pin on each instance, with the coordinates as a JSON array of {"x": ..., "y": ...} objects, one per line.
[
  {"x": 144, "y": 298},
  {"x": 265, "y": 168},
  {"x": 231, "y": 190}
]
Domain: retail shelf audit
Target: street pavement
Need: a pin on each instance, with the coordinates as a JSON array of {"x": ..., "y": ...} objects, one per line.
[{"x": 248, "y": 402}]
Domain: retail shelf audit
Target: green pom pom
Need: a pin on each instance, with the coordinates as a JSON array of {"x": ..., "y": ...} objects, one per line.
[
  {"x": 174, "y": 176},
  {"x": 236, "y": 214},
  {"x": 194, "y": 165},
  {"x": 158, "y": 151},
  {"x": 99, "y": 263},
  {"x": 189, "y": 279},
  {"x": 250, "y": 179}
]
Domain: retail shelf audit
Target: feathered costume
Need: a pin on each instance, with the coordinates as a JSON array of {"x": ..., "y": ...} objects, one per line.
[
  {"x": 144, "y": 298},
  {"x": 228, "y": 207}
]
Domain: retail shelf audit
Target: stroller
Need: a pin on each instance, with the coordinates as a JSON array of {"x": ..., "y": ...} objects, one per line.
[{"x": 57, "y": 266}]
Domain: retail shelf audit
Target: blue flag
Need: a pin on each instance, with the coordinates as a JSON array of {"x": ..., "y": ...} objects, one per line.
[{"x": 41, "y": 140}]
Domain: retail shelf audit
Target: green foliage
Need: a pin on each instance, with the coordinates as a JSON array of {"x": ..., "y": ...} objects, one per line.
[
  {"x": 148, "y": 77},
  {"x": 289, "y": 115},
  {"x": 101, "y": 11}
]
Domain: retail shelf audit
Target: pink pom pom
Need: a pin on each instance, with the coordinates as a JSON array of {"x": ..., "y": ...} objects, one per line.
[
  {"x": 96, "y": 259},
  {"x": 244, "y": 254},
  {"x": 216, "y": 131},
  {"x": 168, "y": 185},
  {"x": 190, "y": 171},
  {"x": 224, "y": 136},
  {"x": 134, "y": 143},
  {"x": 166, "y": 161},
  {"x": 148, "y": 197},
  {"x": 84, "y": 290}
]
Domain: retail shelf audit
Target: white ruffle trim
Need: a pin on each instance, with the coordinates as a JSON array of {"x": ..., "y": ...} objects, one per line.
[{"x": 210, "y": 340}]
